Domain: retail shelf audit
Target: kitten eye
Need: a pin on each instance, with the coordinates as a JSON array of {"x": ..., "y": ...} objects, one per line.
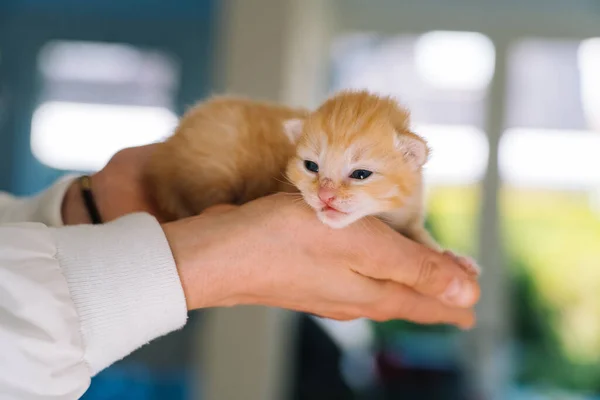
[
  {"x": 360, "y": 174},
  {"x": 311, "y": 166}
]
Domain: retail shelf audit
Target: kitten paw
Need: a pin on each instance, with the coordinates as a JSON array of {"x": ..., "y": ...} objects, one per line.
[{"x": 468, "y": 263}]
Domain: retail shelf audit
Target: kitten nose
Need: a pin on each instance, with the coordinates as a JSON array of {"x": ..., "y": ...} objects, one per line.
[{"x": 327, "y": 195}]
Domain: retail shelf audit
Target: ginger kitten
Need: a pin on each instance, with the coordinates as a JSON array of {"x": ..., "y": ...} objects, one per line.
[
  {"x": 353, "y": 156},
  {"x": 356, "y": 156}
]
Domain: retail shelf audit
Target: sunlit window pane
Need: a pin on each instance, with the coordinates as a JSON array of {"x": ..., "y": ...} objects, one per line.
[
  {"x": 98, "y": 98},
  {"x": 553, "y": 159},
  {"x": 74, "y": 136},
  {"x": 455, "y": 60}
]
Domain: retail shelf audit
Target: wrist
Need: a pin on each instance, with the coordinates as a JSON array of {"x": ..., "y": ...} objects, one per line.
[{"x": 200, "y": 252}]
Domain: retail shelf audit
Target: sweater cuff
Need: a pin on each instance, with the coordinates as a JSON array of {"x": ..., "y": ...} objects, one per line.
[{"x": 124, "y": 284}]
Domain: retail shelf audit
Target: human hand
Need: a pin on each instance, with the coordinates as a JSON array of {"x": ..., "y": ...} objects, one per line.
[
  {"x": 118, "y": 189},
  {"x": 275, "y": 252}
]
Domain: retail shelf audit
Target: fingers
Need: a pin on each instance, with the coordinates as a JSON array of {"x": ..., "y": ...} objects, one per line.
[
  {"x": 401, "y": 302},
  {"x": 468, "y": 263},
  {"x": 430, "y": 273},
  {"x": 392, "y": 301},
  {"x": 392, "y": 256}
]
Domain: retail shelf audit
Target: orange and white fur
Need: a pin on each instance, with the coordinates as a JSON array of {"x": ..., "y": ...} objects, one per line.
[{"x": 352, "y": 157}]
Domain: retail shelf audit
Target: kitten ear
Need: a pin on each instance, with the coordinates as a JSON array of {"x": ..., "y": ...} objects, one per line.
[
  {"x": 413, "y": 148},
  {"x": 293, "y": 129}
]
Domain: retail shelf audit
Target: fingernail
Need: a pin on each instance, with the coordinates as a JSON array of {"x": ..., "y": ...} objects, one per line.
[{"x": 458, "y": 293}]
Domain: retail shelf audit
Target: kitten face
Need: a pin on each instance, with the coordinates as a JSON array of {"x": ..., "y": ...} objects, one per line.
[{"x": 348, "y": 168}]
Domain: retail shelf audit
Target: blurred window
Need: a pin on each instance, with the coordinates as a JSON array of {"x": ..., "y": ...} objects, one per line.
[
  {"x": 554, "y": 159},
  {"x": 551, "y": 172},
  {"x": 98, "y": 98}
]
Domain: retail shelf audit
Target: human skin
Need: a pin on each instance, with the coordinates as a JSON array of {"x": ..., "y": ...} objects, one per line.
[{"x": 275, "y": 252}]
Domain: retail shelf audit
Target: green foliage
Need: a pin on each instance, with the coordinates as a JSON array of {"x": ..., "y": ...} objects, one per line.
[
  {"x": 553, "y": 240},
  {"x": 543, "y": 360}
]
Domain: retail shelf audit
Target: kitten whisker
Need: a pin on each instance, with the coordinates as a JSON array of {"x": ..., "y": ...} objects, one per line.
[
  {"x": 279, "y": 180},
  {"x": 285, "y": 181},
  {"x": 300, "y": 200}
]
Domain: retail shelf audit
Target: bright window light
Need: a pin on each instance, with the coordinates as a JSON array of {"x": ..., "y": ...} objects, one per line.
[
  {"x": 554, "y": 159},
  {"x": 589, "y": 66},
  {"x": 83, "y": 137},
  {"x": 459, "y": 153},
  {"x": 455, "y": 60}
]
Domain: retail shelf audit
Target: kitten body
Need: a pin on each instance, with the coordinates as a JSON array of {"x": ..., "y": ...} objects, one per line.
[
  {"x": 353, "y": 156},
  {"x": 225, "y": 150}
]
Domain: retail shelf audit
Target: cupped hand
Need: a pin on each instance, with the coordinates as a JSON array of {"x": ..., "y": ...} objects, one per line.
[
  {"x": 275, "y": 252},
  {"x": 118, "y": 188}
]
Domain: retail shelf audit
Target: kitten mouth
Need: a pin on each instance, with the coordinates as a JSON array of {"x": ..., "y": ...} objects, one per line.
[
  {"x": 333, "y": 217},
  {"x": 328, "y": 209}
]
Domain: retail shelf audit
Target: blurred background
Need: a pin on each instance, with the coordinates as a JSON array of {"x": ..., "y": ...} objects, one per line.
[{"x": 508, "y": 94}]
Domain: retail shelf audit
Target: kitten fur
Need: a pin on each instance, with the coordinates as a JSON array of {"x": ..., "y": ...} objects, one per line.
[{"x": 234, "y": 150}]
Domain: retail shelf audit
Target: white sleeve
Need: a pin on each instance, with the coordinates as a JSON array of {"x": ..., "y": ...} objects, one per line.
[
  {"x": 73, "y": 300},
  {"x": 44, "y": 207}
]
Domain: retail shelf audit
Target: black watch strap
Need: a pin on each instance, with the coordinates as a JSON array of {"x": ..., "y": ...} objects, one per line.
[{"x": 85, "y": 185}]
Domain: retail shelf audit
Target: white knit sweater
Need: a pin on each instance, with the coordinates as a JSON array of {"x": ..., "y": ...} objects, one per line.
[{"x": 75, "y": 299}]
